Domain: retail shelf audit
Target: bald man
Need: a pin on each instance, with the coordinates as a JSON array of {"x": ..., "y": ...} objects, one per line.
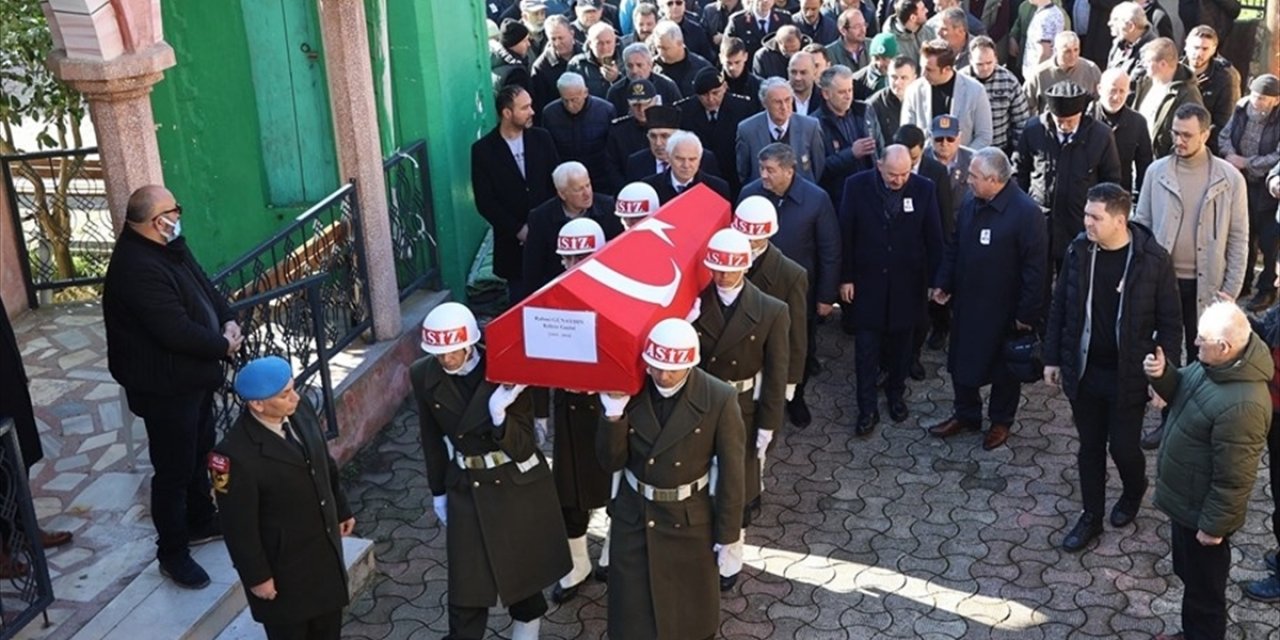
[
  {"x": 168, "y": 332},
  {"x": 890, "y": 221}
]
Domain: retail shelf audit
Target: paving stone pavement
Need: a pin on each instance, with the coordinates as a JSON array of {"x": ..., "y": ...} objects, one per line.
[{"x": 898, "y": 535}]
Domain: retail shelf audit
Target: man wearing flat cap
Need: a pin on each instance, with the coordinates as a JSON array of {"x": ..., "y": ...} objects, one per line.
[
  {"x": 283, "y": 513},
  {"x": 1251, "y": 143},
  {"x": 713, "y": 115},
  {"x": 1061, "y": 154}
]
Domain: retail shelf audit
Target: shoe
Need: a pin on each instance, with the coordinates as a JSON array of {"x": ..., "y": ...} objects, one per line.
[
  {"x": 996, "y": 436},
  {"x": 951, "y": 426},
  {"x": 898, "y": 411},
  {"x": 727, "y": 584},
  {"x": 799, "y": 413},
  {"x": 1266, "y": 590},
  {"x": 206, "y": 534},
  {"x": 601, "y": 573},
  {"x": 866, "y": 423},
  {"x": 1269, "y": 559},
  {"x": 937, "y": 340},
  {"x": 917, "y": 371},
  {"x": 1124, "y": 511},
  {"x": 1151, "y": 439},
  {"x": 185, "y": 572},
  {"x": 561, "y": 595},
  {"x": 50, "y": 539},
  {"x": 1088, "y": 527},
  {"x": 1262, "y": 300}
]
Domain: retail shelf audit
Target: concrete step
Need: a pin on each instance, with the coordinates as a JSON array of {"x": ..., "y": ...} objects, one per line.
[{"x": 153, "y": 607}]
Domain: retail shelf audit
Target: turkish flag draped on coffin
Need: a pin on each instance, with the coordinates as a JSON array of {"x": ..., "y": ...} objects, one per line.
[{"x": 585, "y": 329}]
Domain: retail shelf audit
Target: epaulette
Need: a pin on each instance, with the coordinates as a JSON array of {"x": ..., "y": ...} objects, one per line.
[{"x": 621, "y": 119}]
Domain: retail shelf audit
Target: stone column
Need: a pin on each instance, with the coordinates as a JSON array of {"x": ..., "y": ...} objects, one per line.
[
  {"x": 355, "y": 121},
  {"x": 119, "y": 96}
]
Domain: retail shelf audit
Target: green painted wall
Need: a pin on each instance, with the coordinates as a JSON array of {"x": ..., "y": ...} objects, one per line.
[{"x": 441, "y": 92}]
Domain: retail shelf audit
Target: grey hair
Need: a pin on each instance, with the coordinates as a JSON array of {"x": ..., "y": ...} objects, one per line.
[
  {"x": 955, "y": 17},
  {"x": 1226, "y": 321},
  {"x": 833, "y": 73},
  {"x": 566, "y": 172},
  {"x": 1133, "y": 12},
  {"x": 570, "y": 80},
  {"x": 1066, "y": 37},
  {"x": 994, "y": 163},
  {"x": 637, "y": 49},
  {"x": 598, "y": 29},
  {"x": 681, "y": 137},
  {"x": 779, "y": 152},
  {"x": 773, "y": 82},
  {"x": 668, "y": 30},
  {"x": 556, "y": 20}
]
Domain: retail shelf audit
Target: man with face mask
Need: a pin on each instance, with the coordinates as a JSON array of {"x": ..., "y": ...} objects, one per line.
[
  {"x": 1060, "y": 155},
  {"x": 575, "y": 199},
  {"x": 680, "y": 445},
  {"x": 488, "y": 479},
  {"x": 892, "y": 236},
  {"x": 168, "y": 333},
  {"x": 743, "y": 335}
]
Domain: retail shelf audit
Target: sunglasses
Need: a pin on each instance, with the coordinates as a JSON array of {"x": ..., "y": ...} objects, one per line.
[
  {"x": 944, "y": 139},
  {"x": 674, "y": 3}
]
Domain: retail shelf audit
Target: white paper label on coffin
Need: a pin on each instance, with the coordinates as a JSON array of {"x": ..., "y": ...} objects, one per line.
[{"x": 557, "y": 334}]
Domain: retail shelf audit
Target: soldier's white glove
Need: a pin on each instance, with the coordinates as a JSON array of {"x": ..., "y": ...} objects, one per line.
[
  {"x": 438, "y": 504},
  {"x": 763, "y": 438},
  {"x": 614, "y": 404},
  {"x": 503, "y": 396},
  {"x": 791, "y": 392},
  {"x": 729, "y": 558},
  {"x": 695, "y": 311}
]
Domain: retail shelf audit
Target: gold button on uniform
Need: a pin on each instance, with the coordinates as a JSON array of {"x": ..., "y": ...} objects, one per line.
[
  {"x": 651, "y": 524},
  {"x": 475, "y": 484},
  {"x": 651, "y": 460},
  {"x": 677, "y": 463}
]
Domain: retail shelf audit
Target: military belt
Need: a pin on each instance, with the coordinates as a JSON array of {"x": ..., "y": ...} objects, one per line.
[
  {"x": 658, "y": 494},
  {"x": 493, "y": 460},
  {"x": 743, "y": 386}
]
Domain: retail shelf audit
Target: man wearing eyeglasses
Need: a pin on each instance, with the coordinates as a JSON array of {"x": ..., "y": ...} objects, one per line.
[{"x": 168, "y": 331}]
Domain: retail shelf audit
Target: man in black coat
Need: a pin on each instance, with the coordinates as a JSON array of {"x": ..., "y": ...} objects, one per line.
[
  {"x": 892, "y": 245},
  {"x": 574, "y": 199},
  {"x": 713, "y": 115},
  {"x": 510, "y": 174},
  {"x": 694, "y": 34},
  {"x": 1128, "y": 128},
  {"x": 676, "y": 60},
  {"x": 283, "y": 513},
  {"x": 639, "y": 62},
  {"x": 995, "y": 270},
  {"x": 737, "y": 72},
  {"x": 628, "y": 134},
  {"x": 168, "y": 332},
  {"x": 579, "y": 124},
  {"x": 936, "y": 326},
  {"x": 552, "y": 62},
  {"x": 846, "y": 137},
  {"x": 1116, "y": 300},
  {"x": 660, "y": 123},
  {"x": 685, "y": 159},
  {"x": 758, "y": 20},
  {"x": 1216, "y": 78}
]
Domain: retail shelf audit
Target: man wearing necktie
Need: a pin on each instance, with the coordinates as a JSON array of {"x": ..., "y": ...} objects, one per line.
[
  {"x": 758, "y": 19},
  {"x": 684, "y": 153},
  {"x": 272, "y": 476},
  {"x": 713, "y": 115}
]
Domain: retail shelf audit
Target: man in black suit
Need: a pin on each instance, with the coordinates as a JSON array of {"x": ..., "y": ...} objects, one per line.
[
  {"x": 660, "y": 122},
  {"x": 937, "y": 324},
  {"x": 846, "y": 136},
  {"x": 684, "y": 155},
  {"x": 757, "y": 20},
  {"x": 513, "y": 155},
  {"x": 275, "y": 482},
  {"x": 574, "y": 199},
  {"x": 713, "y": 115}
]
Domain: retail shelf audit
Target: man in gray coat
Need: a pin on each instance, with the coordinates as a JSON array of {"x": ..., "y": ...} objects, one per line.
[
  {"x": 939, "y": 89},
  {"x": 779, "y": 123}
]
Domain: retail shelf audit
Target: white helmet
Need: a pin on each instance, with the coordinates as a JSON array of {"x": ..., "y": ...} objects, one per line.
[
  {"x": 672, "y": 345},
  {"x": 728, "y": 250},
  {"x": 636, "y": 200},
  {"x": 755, "y": 217},
  {"x": 449, "y": 327},
  {"x": 579, "y": 236}
]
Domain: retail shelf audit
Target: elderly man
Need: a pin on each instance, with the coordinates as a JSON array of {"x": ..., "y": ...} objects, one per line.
[
  {"x": 639, "y": 62},
  {"x": 942, "y": 90},
  {"x": 533, "y": 14},
  {"x": 663, "y": 577},
  {"x": 945, "y": 148},
  {"x": 892, "y": 246},
  {"x": 1115, "y": 300},
  {"x": 802, "y": 75},
  {"x": 875, "y": 76},
  {"x": 758, "y": 20},
  {"x": 953, "y": 29},
  {"x": 661, "y": 123},
  {"x": 779, "y": 123},
  {"x": 885, "y": 105},
  {"x": 808, "y": 233},
  {"x": 1128, "y": 128},
  {"x": 695, "y": 36},
  {"x": 684, "y": 158},
  {"x": 995, "y": 271},
  {"x": 813, "y": 23},
  {"x": 714, "y": 116},
  {"x": 1216, "y": 78},
  {"x": 771, "y": 59},
  {"x": 850, "y": 49},
  {"x": 1131, "y": 32},
  {"x": 168, "y": 333},
  {"x": 1219, "y": 414},
  {"x": 675, "y": 61},
  {"x": 1009, "y": 109},
  {"x": 1251, "y": 143},
  {"x": 906, "y": 24},
  {"x": 274, "y": 479},
  {"x": 574, "y": 199},
  {"x": 554, "y": 61},
  {"x": 846, "y": 132},
  {"x": 579, "y": 123},
  {"x": 1066, "y": 64},
  {"x": 1164, "y": 87},
  {"x": 597, "y": 64},
  {"x": 1198, "y": 208},
  {"x": 1061, "y": 154}
]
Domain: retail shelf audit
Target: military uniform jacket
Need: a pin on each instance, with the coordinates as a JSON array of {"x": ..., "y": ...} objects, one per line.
[
  {"x": 280, "y": 512},
  {"x": 581, "y": 482},
  {"x": 506, "y": 538},
  {"x": 752, "y": 343},
  {"x": 663, "y": 579},
  {"x": 780, "y": 277}
]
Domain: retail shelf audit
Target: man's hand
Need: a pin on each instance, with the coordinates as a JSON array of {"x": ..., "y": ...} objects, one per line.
[
  {"x": 266, "y": 590},
  {"x": 1223, "y": 296},
  {"x": 347, "y": 526},
  {"x": 1237, "y": 161},
  {"x": 763, "y": 438},
  {"x": 1208, "y": 540},
  {"x": 824, "y": 309},
  {"x": 940, "y": 296},
  {"x": 1053, "y": 376},
  {"x": 522, "y": 233},
  {"x": 610, "y": 72},
  {"x": 846, "y": 292},
  {"x": 231, "y": 328},
  {"x": 440, "y": 505},
  {"x": 1021, "y": 326},
  {"x": 1154, "y": 399},
  {"x": 1273, "y": 185},
  {"x": 695, "y": 311},
  {"x": 1153, "y": 365},
  {"x": 502, "y": 397},
  {"x": 614, "y": 403},
  {"x": 863, "y": 147},
  {"x": 233, "y": 344}
]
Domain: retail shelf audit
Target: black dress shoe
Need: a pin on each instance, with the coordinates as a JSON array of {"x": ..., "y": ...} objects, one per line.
[
  {"x": 799, "y": 413},
  {"x": 601, "y": 574},
  {"x": 898, "y": 410},
  {"x": 1123, "y": 512},
  {"x": 866, "y": 423},
  {"x": 1088, "y": 527},
  {"x": 917, "y": 371},
  {"x": 726, "y": 584},
  {"x": 561, "y": 595},
  {"x": 185, "y": 572}
]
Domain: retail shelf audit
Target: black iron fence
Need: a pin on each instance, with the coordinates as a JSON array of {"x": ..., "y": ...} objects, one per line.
[
  {"x": 59, "y": 203},
  {"x": 413, "y": 221},
  {"x": 27, "y": 590}
]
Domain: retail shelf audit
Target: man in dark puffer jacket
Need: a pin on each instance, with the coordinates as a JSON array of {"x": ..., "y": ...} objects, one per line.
[{"x": 1115, "y": 300}]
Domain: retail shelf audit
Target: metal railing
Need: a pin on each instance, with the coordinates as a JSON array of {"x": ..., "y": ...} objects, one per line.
[
  {"x": 59, "y": 202},
  {"x": 413, "y": 221},
  {"x": 27, "y": 590}
]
